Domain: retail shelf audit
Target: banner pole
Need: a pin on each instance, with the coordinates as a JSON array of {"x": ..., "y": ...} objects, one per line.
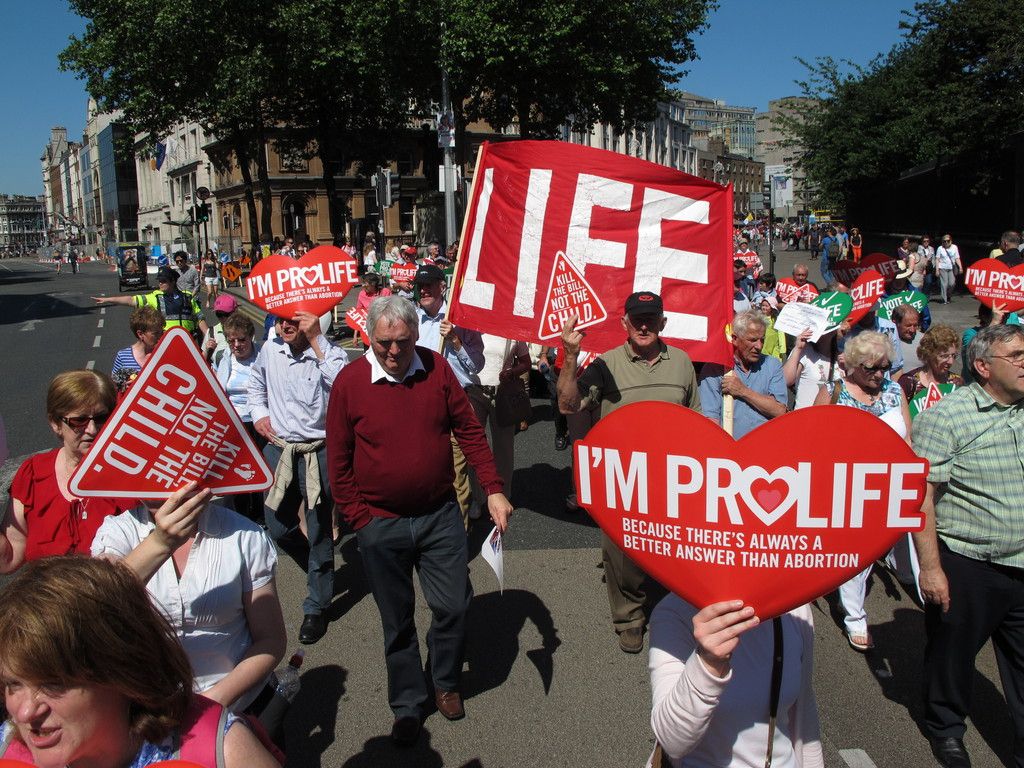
[{"x": 727, "y": 400}]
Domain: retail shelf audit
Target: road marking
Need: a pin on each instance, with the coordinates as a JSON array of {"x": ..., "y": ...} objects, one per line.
[
  {"x": 856, "y": 758},
  {"x": 4, "y": 266},
  {"x": 103, "y": 310},
  {"x": 97, "y": 342},
  {"x": 99, "y": 323},
  {"x": 90, "y": 365},
  {"x": 30, "y": 325}
]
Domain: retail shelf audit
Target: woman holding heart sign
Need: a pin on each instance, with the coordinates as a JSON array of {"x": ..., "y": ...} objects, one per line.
[
  {"x": 866, "y": 360},
  {"x": 729, "y": 689}
]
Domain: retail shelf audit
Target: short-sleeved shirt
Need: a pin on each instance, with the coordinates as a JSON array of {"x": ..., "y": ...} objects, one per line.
[
  {"x": 765, "y": 378},
  {"x": 230, "y": 558},
  {"x": 975, "y": 447},
  {"x": 619, "y": 377}
]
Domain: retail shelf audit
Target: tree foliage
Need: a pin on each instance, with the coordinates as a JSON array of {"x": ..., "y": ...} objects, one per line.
[{"x": 950, "y": 87}]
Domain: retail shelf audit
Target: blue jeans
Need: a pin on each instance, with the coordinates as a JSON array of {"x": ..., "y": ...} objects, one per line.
[
  {"x": 283, "y": 526},
  {"x": 434, "y": 544}
]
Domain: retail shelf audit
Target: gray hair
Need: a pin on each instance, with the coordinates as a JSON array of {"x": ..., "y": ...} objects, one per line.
[
  {"x": 744, "y": 320},
  {"x": 868, "y": 346},
  {"x": 1010, "y": 237},
  {"x": 392, "y": 310},
  {"x": 980, "y": 347}
]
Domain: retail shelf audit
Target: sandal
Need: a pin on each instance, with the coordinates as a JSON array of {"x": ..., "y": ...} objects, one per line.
[{"x": 861, "y": 643}]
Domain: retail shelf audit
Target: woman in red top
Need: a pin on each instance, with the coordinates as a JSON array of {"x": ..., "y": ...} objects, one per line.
[{"x": 44, "y": 517}]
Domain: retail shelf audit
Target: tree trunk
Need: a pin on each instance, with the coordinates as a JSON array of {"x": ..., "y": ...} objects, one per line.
[
  {"x": 328, "y": 162},
  {"x": 523, "y": 110},
  {"x": 250, "y": 199},
  {"x": 266, "y": 219}
]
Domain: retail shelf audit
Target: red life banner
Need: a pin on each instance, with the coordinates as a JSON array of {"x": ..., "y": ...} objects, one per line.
[
  {"x": 175, "y": 425},
  {"x": 315, "y": 283},
  {"x": 628, "y": 225},
  {"x": 867, "y": 289},
  {"x": 787, "y": 290},
  {"x": 402, "y": 272},
  {"x": 770, "y": 519},
  {"x": 992, "y": 282}
]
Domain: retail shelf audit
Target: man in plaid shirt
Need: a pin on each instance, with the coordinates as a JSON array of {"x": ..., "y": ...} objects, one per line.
[{"x": 972, "y": 547}]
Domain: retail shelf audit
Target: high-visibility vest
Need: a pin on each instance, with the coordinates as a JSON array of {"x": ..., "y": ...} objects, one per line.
[{"x": 179, "y": 308}]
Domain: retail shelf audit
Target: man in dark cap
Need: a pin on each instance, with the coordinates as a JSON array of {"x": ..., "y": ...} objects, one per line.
[{"x": 644, "y": 368}]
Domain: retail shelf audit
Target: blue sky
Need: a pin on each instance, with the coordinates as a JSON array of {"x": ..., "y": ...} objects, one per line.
[{"x": 747, "y": 57}]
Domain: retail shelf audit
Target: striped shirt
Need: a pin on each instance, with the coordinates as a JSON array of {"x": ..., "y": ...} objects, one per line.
[
  {"x": 125, "y": 360},
  {"x": 976, "y": 450}
]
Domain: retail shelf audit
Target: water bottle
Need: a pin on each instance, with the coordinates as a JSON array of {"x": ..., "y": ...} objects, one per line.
[{"x": 286, "y": 685}]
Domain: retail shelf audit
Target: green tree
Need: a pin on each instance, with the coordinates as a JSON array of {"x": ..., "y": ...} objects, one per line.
[
  {"x": 951, "y": 87},
  {"x": 543, "y": 63}
]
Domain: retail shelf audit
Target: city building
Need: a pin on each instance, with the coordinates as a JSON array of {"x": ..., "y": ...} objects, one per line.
[
  {"x": 714, "y": 119},
  {"x": 22, "y": 223},
  {"x": 717, "y": 164},
  {"x": 666, "y": 140},
  {"x": 793, "y": 197},
  {"x": 172, "y": 176}
]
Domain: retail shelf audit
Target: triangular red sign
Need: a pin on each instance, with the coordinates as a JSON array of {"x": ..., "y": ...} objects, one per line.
[
  {"x": 568, "y": 293},
  {"x": 175, "y": 425},
  {"x": 933, "y": 396},
  {"x": 355, "y": 319}
]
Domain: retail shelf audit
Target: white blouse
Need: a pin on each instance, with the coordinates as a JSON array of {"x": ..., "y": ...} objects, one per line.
[{"x": 230, "y": 557}]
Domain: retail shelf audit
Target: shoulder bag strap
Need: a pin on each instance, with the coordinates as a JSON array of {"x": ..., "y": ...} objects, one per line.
[{"x": 773, "y": 703}]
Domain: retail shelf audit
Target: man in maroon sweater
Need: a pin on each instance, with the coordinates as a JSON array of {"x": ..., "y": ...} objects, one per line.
[{"x": 398, "y": 400}]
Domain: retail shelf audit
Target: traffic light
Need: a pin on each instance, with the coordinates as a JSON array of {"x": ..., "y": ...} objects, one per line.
[
  {"x": 202, "y": 212},
  {"x": 394, "y": 188},
  {"x": 766, "y": 189}
]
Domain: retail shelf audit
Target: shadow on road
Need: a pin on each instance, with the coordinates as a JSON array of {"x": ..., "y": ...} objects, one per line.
[
  {"x": 312, "y": 719},
  {"x": 542, "y": 489},
  {"x": 21, "y": 308},
  {"x": 350, "y": 585},
  {"x": 493, "y": 626},
  {"x": 380, "y": 752}
]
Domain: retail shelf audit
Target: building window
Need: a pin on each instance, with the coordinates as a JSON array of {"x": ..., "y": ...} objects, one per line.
[{"x": 406, "y": 214}]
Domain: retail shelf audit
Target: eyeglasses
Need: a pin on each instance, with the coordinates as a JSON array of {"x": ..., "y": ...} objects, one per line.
[
  {"x": 1016, "y": 358},
  {"x": 79, "y": 423},
  {"x": 880, "y": 368}
]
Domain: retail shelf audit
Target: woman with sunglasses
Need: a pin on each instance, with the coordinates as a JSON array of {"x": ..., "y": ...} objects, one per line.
[
  {"x": 44, "y": 518},
  {"x": 867, "y": 358},
  {"x": 938, "y": 350}
]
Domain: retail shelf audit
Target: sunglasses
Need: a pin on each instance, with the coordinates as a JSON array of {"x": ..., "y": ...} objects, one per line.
[
  {"x": 79, "y": 423},
  {"x": 875, "y": 368}
]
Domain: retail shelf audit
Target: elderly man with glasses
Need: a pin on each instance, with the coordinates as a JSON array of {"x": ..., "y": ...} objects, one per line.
[{"x": 971, "y": 551}]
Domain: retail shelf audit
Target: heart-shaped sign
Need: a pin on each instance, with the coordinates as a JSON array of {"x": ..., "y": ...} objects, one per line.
[
  {"x": 916, "y": 299},
  {"x": 787, "y": 290},
  {"x": 315, "y": 283},
  {"x": 838, "y": 304},
  {"x": 992, "y": 282},
  {"x": 770, "y": 519},
  {"x": 847, "y": 272},
  {"x": 865, "y": 291}
]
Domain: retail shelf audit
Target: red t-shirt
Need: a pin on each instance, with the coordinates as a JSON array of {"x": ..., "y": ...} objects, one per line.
[{"x": 54, "y": 525}]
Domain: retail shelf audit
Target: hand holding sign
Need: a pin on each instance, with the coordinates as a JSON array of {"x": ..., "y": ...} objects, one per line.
[
  {"x": 717, "y": 629},
  {"x": 571, "y": 338},
  {"x": 770, "y": 519},
  {"x": 177, "y": 519}
]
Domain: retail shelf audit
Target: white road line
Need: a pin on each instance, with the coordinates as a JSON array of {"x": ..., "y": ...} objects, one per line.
[
  {"x": 856, "y": 758},
  {"x": 4, "y": 266},
  {"x": 97, "y": 342},
  {"x": 90, "y": 365},
  {"x": 99, "y": 323},
  {"x": 103, "y": 310}
]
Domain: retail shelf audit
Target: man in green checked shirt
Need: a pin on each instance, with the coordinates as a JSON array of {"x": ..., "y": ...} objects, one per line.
[{"x": 971, "y": 550}]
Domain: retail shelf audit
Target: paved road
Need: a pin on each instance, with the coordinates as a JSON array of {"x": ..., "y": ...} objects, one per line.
[{"x": 546, "y": 684}]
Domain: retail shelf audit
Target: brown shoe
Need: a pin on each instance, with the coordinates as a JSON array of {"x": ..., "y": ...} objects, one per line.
[
  {"x": 449, "y": 704},
  {"x": 631, "y": 640},
  {"x": 405, "y": 730}
]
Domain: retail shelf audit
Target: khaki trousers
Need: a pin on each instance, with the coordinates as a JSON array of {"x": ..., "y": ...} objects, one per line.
[{"x": 626, "y": 593}]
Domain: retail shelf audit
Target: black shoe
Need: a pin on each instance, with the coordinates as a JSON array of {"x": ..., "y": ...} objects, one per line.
[
  {"x": 314, "y": 626},
  {"x": 950, "y": 752},
  {"x": 561, "y": 442}
]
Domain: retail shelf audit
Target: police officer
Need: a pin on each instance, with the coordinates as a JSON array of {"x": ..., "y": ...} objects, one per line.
[{"x": 180, "y": 308}]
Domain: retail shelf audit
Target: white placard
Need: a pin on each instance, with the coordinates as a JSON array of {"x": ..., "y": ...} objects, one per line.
[
  {"x": 796, "y": 317},
  {"x": 493, "y": 553}
]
